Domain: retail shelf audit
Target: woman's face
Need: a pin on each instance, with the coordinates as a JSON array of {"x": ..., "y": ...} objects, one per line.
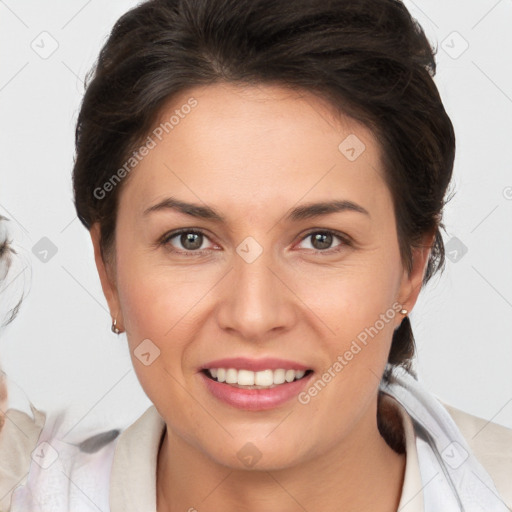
[{"x": 264, "y": 282}]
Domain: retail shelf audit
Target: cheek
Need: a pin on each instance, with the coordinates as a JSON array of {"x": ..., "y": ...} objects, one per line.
[
  {"x": 353, "y": 296},
  {"x": 156, "y": 300},
  {"x": 161, "y": 305},
  {"x": 358, "y": 306},
  {"x": 156, "y": 337}
]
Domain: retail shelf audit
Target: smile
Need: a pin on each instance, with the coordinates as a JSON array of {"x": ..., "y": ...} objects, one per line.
[
  {"x": 247, "y": 379},
  {"x": 255, "y": 384}
]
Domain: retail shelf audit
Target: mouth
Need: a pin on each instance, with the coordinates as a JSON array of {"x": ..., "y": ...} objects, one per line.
[
  {"x": 263, "y": 379},
  {"x": 254, "y": 384}
]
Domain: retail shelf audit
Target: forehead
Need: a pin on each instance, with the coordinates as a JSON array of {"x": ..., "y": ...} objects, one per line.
[{"x": 262, "y": 145}]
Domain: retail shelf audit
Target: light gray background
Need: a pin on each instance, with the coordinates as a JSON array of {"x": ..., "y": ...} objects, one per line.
[{"x": 60, "y": 351}]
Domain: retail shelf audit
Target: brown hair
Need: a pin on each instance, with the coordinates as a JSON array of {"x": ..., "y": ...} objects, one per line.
[{"x": 368, "y": 58}]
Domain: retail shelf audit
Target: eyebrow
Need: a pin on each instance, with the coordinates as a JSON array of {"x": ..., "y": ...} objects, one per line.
[{"x": 302, "y": 212}]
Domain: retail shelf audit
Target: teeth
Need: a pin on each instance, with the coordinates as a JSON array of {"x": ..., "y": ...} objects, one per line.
[
  {"x": 231, "y": 376},
  {"x": 264, "y": 378},
  {"x": 255, "y": 380},
  {"x": 279, "y": 376},
  {"x": 245, "y": 378}
]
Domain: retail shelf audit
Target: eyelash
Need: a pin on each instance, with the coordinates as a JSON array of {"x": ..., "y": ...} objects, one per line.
[{"x": 164, "y": 241}]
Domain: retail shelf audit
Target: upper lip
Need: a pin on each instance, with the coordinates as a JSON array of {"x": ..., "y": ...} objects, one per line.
[{"x": 255, "y": 365}]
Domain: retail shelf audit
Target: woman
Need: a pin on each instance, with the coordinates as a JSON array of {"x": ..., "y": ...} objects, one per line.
[
  {"x": 19, "y": 430},
  {"x": 263, "y": 183}
]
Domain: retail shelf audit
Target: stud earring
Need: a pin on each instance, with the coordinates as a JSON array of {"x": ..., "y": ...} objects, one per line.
[
  {"x": 404, "y": 311},
  {"x": 114, "y": 327}
]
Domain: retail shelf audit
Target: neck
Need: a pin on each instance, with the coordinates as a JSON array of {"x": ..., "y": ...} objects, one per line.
[{"x": 362, "y": 473}]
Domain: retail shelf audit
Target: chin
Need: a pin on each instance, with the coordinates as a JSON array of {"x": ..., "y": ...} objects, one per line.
[{"x": 259, "y": 454}]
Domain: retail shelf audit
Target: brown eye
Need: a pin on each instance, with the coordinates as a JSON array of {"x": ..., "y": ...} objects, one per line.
[
  {"x": 322, "y": 241},
  {"x": 185, "y": 240},
  {"x": 191, "y": 241}
]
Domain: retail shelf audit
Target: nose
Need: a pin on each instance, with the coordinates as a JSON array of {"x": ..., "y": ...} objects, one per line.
[{"x": 257, "y": 302}]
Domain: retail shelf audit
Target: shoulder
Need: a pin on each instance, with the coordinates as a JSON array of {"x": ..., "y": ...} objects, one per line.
[
  {"x": 66, "y": 469},
  {"x": 140, "y": 437},
  {"x": 133, "y": 477},
  {"x": 20, "y": 432},
  {"x": 492, "y": 445},
  {"x": 18, "y": 439}
]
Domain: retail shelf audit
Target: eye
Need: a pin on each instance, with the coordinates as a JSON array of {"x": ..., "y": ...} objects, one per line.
[
  {"x": 185, "y": 241},
  {"x": 190, "y": 242},
  {"x": 322, "y": 240}
]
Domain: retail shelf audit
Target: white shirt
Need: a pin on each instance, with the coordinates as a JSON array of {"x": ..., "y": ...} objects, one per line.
[
  {"x": 18, "y": 438},
  {"x": 123, "y": 472},
  {"x": 133, "y": 477}
]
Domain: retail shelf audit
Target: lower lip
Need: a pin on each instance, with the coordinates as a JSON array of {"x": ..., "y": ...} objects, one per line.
[{"x": 255, "y": 399}]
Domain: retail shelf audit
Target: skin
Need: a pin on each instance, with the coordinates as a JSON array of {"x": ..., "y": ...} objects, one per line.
[
  {"x": 253, "y": 154},
  {"x": 3, "y": 399}
]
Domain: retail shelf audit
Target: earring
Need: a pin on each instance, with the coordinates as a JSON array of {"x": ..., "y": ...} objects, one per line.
[
  {"x": 114, "y": 327},
  {"x": 404, "y": 312}
]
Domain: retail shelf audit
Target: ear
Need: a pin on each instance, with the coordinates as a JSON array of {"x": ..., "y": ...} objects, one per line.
[
  {"x": 106, "y": 274},
  {"x": 412, "y": 281}
]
